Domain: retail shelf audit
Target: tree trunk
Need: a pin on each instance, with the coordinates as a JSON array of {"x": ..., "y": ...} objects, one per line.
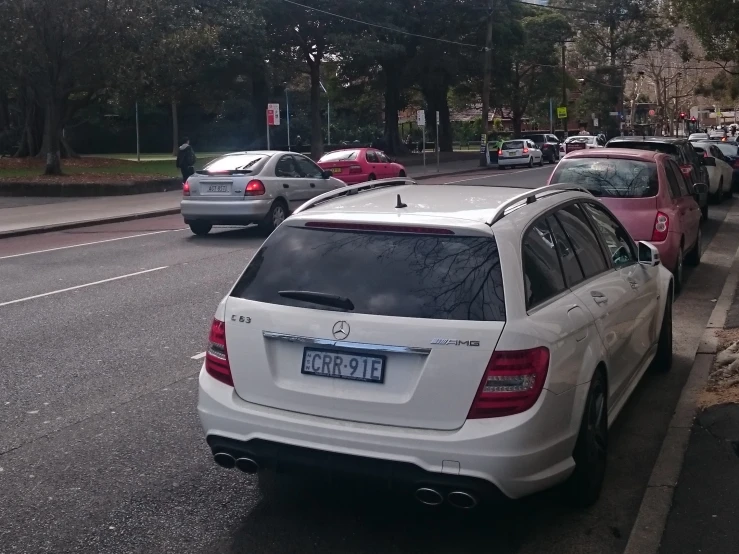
[
  {"x": 52, "y": 138},
  {"x": 4, "y": 111},
  {"x": 516, "y": 120},
  {"x": 316, "y": 131},
  {"x": 175, "y": 129},
  {"x": 259, "y": 98},
  {"x": 393, "y": 143}
]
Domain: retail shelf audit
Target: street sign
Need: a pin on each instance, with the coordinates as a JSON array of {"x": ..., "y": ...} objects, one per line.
[
  {"x": 595, "y": 122},
  {"x": 483, "y": 143},
  {"x": 613, "y": 113},
  {"x": 421, "y": 118},
  {"x": 652, "y": 113},
  {"x": 561, "y": 112},
  {"x": 273, "y": 115}
]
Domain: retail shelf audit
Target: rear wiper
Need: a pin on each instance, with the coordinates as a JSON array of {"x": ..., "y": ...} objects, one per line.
[{"x": 322, "y": 298}]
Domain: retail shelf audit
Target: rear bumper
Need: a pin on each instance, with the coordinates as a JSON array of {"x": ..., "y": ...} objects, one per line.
[
  {"x": 520, "y": 160},
  {"x": 225, "y": 212},
  {"x": 517, "y": 455}
]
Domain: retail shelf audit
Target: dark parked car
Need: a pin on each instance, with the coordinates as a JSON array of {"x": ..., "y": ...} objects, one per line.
[
  {"x": 548, "y": 144},
  {"x": 681, "y": 150}
]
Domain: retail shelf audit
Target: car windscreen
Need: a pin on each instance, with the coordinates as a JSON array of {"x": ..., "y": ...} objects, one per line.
[
  {"x": 662, "y": 147},
  {"x": 609, "y": 177},
  {"x": 234, "y": 162},
  {"x": 340, "y": 156},
  {"x": 727, "y": 149},
  {"x": 538, "y": 138},
  {"x": 390, "y": 274},
  {"x": 512, "y": 145}
]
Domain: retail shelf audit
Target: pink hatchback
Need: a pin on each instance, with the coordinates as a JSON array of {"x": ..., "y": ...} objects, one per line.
[{"x": 648, "y": 193}]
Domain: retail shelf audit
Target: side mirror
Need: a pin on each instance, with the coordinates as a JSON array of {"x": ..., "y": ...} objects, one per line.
[
  {"x": 700, "y": 188},
  {"x": 711, "y": 162},
  {"x": 326, "y": 174},
  {"x": 648, "y": 254}
]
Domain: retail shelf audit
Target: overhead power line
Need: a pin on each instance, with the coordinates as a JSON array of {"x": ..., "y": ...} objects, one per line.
[{"x": 391, "y": 29}]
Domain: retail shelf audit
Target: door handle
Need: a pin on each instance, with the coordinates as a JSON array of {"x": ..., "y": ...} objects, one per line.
[
  {"x": 285, "y": 186},
  {"x": 599, "y": 297},
  {"x": 312, "y": 185}
]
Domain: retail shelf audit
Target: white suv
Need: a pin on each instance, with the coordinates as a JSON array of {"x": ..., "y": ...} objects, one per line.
[{"x": 462, "y": 340}]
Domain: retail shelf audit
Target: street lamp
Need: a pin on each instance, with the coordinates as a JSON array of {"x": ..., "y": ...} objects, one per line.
[
  {"x": 328, "y": 113},
  {"x": 287, "y": 110}
]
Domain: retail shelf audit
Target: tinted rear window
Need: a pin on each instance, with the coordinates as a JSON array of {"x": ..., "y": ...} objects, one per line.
[
  {"x": 610, "y": 177},
  {"x": 341, "y": 156},
  {"x": 402, "y": 275},
  {"x": 727, "y": 149},
  {"x": 662, "y": 147},
  {"x": 236, "y": 162},
  {"x": 538, "y": 138},
  {"x": 512, "y": 145}
]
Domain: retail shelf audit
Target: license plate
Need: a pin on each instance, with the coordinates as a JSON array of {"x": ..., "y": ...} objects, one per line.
[
  {"x": 343, "y": 365},
  {"x": 218, "y": 188},
  {"x": 335, "y": 170}
]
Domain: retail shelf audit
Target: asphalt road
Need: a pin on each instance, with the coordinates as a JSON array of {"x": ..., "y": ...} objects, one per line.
[{"x": 100, "y": 446}]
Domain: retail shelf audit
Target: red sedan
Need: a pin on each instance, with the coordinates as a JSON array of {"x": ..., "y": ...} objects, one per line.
[{"x": 357, "y": 165}]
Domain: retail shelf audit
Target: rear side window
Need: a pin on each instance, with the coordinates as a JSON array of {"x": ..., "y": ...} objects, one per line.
[
  {"x": 614, "y": 235},
  {"x": 673, "y": 180},
  {"x": 583, "y": 239},
  {"x": 570, "y": 265},
  {"x": 512, "y": 145},
  {"x": 679, "y": 177},
  {"x": 372, "y": 157},
  {"x": 402, "y": 275},
  {"x": 542, "y": 273},
  {"x": 610, "y": 177}
]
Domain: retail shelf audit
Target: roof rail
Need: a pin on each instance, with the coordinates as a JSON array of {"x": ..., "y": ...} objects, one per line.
[
  {"x": 529, "y": 198},
  {"x": 351, "y": 190}
]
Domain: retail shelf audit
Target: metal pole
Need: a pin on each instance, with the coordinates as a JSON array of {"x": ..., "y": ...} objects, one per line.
[
  {"x": 424, "y": 147},
  {"x": 267, "y": 119},
  {"x": 329, "y": 120},
  {"x": 287, "y": 109},
  {"x": 565, "y": 120},
  {"x": 138, "y": 142},
  {"x": 437, "y": 143},
  {"x": 551, "y": 116},
  {"x": 487, "y": 78}
]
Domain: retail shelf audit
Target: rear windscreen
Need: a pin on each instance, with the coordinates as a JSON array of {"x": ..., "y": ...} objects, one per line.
[
  {"x": 235, "y": 162},
  {"x": 538, "y": 138},
  {"x": 609, "y": 177},
  {"x": 341, "y": 156},
  {"x": 661, "y": 147},
  {"x": 401, "y": 275},
  {"x": 512, "y": 145},
  {"x": 728, "y": 149}
]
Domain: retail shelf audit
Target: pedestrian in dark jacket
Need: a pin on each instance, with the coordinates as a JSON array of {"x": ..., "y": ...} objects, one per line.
[{"x": 186, "y": 159}]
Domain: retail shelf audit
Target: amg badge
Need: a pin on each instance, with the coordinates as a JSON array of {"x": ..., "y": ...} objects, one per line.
[{"x": 453, "y": 342}]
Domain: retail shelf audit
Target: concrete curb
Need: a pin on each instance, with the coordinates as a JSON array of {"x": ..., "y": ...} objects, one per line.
[
  {"x": 157, "y": 213},
  {"x": 87, "y": 223},
  {"x": 88, "y": 190},
  {"x": 646, "y": 534}
]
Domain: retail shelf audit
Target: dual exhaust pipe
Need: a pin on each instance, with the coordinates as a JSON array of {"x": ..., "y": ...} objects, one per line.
[
  {"x": 432, "y": 497},
  {"x": 425, "y": 495},
  {"x": 247, "y": 465}
]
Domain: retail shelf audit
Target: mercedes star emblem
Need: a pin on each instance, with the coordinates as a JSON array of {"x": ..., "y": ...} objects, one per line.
[{"x": 341, "y": 330}]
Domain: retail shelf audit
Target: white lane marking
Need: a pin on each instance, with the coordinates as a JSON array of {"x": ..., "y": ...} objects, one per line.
[
  {"x": 91, "y": 243},
  {"x": 198, "y": 356},
  {"x": 490, "y": 176},
  {"x": 82, "y": 286}
]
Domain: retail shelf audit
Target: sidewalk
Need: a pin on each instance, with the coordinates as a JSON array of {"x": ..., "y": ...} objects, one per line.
[
  {"x": 704, "y": 517},
  {"x": 33, "y": 215}
]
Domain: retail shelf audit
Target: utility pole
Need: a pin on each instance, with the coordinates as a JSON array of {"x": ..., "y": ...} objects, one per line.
[
  {"x": 486, "y": 81},
  {"x": 565, "y": 121}
]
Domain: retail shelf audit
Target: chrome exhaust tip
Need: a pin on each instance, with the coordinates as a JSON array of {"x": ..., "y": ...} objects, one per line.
[
  {"x": 247, "y": 465},
  {"x": 224, "y": 460},
  {"x": 461, "y": 500},
  {"x": 429, "y": 497}
]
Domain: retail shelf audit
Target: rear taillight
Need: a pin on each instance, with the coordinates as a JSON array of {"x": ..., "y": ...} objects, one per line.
[
  {"x": 500, "y": 151},
  {"x": 525, "y": 150},
  {"x": 355, "y": 169},
  {"x": 254, "y": 188},
  {"x": 512, "y": 383},
  {"x": 661, "y": 227},
  {"x": 686, "y": 169},
  {"x": 216, "y": 357},
  {"x": 185, "y": 189}
]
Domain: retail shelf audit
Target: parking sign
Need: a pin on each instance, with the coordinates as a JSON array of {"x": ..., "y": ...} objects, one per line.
[{"x": 273, "y": 115}]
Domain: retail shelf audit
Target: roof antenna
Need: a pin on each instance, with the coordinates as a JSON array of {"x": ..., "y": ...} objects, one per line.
[{"x": 400, "y": 203}]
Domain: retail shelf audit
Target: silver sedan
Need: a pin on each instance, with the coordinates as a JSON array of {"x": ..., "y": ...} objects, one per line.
[{"x": 261, "y": 187}]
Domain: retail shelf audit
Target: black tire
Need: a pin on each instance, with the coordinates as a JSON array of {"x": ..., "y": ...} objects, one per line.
[
  {"x": 552, "y": 160},
  {"x": 694, "y": 257},
  {"x": 591, "y": 449},
  {"x": 531, "y": 161},
  {"x": 729, "y": 194},
  {"x": 663, "y": 359},
  {"x": 401, "y": 174},
  {"x": 200, "y": 228},
  {"x": 718, "y": 198},
  {"x": 704, "y": 213},
  {"x": 277, "y": 214},
  {"x": 541, "y": 161},
  {"x": 371, "y": 177},
  {"x": 677, "y": 273}
]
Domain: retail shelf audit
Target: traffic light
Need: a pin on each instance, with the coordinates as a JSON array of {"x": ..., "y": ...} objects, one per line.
[
  {"x": 682, "y": 116},
  {"x": 693, "y": 120}
]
